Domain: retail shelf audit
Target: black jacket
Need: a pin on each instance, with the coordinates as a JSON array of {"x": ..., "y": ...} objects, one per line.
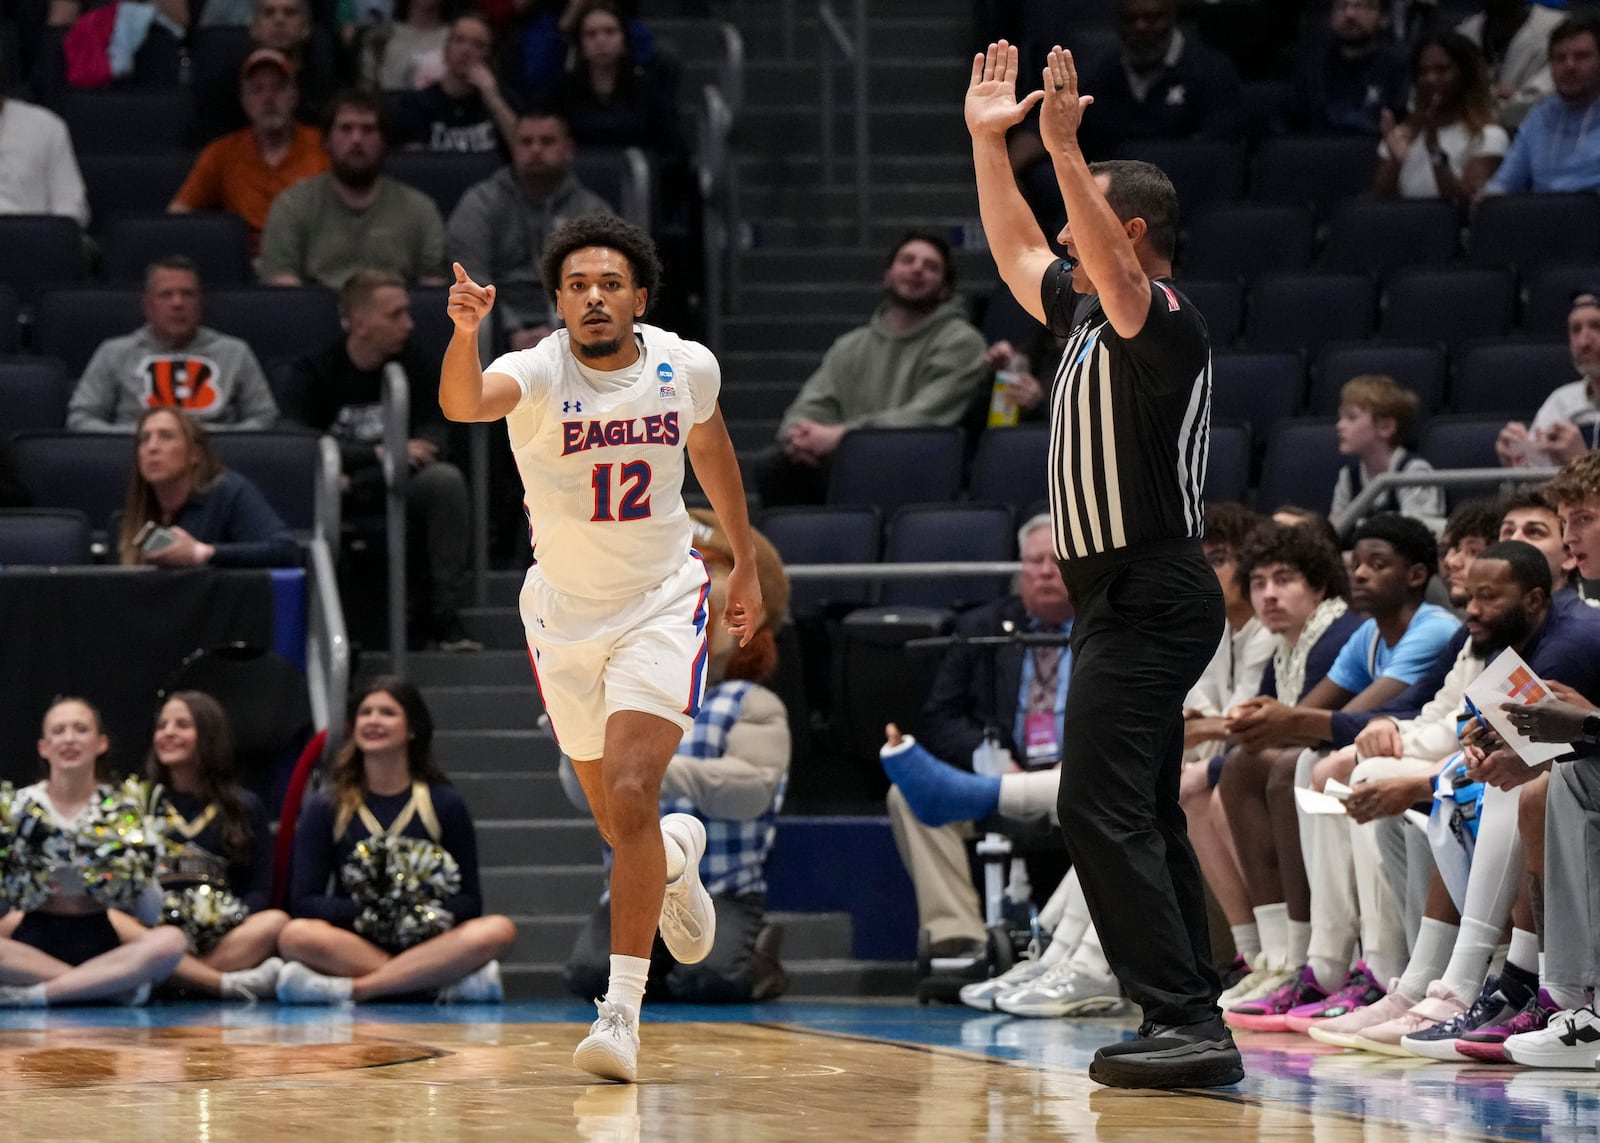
[{"x": 976, "y": 685}]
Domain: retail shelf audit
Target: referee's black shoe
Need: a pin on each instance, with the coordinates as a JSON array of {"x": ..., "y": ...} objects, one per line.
[{"x": 1168, "y": 1055}]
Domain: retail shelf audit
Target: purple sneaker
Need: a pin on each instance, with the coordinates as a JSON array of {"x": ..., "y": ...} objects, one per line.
[
  {"x": 1271, "y": 1012},
  {"x": 1441, "y": 1041},
  {"x": 1359, "y": 989},
  {"x": 1488, "y": 1044}
]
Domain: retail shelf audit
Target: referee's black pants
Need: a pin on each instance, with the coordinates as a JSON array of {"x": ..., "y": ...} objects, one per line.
[{"x": 1149, "y": 618}]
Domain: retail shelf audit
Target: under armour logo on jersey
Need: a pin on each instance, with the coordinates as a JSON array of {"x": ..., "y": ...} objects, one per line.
[{"x": 572, "y": 406}]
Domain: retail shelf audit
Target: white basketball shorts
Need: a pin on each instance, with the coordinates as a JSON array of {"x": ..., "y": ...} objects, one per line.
[{"x": 593, "y": 657}]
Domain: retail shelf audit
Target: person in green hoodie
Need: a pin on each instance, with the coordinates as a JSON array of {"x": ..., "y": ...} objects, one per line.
[{"x": 916, "y": 363}]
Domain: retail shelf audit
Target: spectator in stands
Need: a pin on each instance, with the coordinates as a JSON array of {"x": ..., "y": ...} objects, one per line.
[
  {"x": 1473, "y": 526},
  {"x": 1018, "y": 692},
  {"x": 498, "y": 229},
  {"x": 226, "y": 840},
  {"x": 1575, "y": 491},
  {"x": 406, "y": 53},
  {"x": 1162, "y": 85},
  {"x": 915, "y": 363},
  {"x": 730, "y": 771},
  {"x": 549, "y": 39},
  {"x": 38, "y": 170},
  {"x": 343, "y": 384},
  {"x": 185, "y": 510},
  {"x": 1514, "y": 37},
  {"x": 1530, "y": 516},
  {"x": 246, "y": 169},
  {"x": 278, "y": 25},
  {"x": 325, "y": 228},
  {"x": 386, "y": 783},
  {"x": 611, "y": 99},
  {"x": 1450, "y": 144},
  {"x": 65, "y": 949},
  {"x": 1558, "y": 146},
  {"x": 1568, "y": 423},
  {"x": 1346, "y": 79},
  {"x": 172, "y": 360},
  {"x": 464, "y": 110},
  {"x": 1375, "y": 416}
]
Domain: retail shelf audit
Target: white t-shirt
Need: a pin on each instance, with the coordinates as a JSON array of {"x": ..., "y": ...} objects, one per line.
[
  {"x": 601, "y": 459},
  {"x": 1417, "y": 179}
]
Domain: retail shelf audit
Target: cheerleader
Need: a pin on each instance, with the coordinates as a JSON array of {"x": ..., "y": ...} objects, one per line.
[
  {"x": 66, "y": 950},
  {"x": 385, "y": 784},
  {"x": 216, "y": 889}
]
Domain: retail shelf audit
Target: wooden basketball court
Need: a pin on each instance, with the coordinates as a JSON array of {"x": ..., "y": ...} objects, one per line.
[{"x": 776, "y": 1072}]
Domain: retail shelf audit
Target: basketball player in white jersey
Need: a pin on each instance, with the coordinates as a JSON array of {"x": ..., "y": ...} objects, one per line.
[{"x": 599, "y": 415}]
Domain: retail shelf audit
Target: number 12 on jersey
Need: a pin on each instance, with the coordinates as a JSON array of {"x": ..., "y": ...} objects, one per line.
[{"x": 635, "y": 482}]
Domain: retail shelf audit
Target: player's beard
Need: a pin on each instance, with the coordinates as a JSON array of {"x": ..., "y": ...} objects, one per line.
[{"x": 598, "y": 349}]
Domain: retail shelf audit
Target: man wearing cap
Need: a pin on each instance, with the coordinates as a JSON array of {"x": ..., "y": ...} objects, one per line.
[
  {"x": 1568, "y": 423},
  {"x": 246, "y": 169}
]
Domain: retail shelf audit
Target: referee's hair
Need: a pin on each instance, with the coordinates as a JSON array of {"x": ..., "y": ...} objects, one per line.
[
  {"x": 610, "y": 232},
  {"x": 1300, "y": 548},
  {"x": 1528, "y": 566},
  {"x": 1142, "y": 190},
  {"x": 1408, "y": 536}
]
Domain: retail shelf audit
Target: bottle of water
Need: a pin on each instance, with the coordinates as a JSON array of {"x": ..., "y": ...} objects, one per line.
[{"x": 1002, "y": 409}]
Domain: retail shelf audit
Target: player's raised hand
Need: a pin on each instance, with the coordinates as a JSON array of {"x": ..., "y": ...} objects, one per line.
[
  {"x": 743, "y": 612},
  {"x": 469, "y": 302},
  {"x": 1062, "y": 110},
  {"x": 992, "y": 107}
]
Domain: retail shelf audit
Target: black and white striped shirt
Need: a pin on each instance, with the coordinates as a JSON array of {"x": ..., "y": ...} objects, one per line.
[{"x": 1130, "y": 421}]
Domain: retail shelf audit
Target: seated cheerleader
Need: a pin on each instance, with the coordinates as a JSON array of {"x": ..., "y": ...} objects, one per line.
[
  {"x": 64, "y": 949},
  {"x": 385, "y": 786},
  {"x": 216, "y": 888}
]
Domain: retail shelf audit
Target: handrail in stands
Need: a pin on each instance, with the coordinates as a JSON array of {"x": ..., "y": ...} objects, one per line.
[
  {"x": 1438, "y": 478},
  {"x": 853, "y": 50},
  {"x": 327, "y": 643},
  {"x": 396, "y": 475}
]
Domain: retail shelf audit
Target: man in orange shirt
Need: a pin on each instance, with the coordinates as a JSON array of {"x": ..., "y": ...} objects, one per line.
[{"x": 246, "y": 169}]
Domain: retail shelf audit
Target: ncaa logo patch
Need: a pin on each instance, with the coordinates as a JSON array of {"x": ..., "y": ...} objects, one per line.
[{"x": 664, "y": 375}]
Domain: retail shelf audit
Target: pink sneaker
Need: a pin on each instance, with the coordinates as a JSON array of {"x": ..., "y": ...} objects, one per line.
[
  {"x": 1358, "y": 991},
  {"x": 1269, "y": 1013},
  {"x": 1438, "y": 1006},
  {"x": 1345, "y": 1031},
  {"x": 1488, "y": 1044}
]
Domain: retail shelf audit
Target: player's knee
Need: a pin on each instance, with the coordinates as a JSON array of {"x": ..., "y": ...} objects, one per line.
[
  {"x": 167, "y": 945},
  {"x": 299, "y": 938},
  {"x": 493, "y": 936}
]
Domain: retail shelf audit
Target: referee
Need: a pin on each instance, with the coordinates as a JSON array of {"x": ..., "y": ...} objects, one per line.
[{"x": 1130, "y": 422}]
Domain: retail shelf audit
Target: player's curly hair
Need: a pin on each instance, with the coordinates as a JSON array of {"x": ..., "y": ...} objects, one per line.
[
  {"x": 1300, "y": 548},
  {"x": 1578, "y": 480},
  {"x": 610, "y": 232}
]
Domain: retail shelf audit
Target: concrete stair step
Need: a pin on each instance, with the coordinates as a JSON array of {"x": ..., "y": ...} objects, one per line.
[
  {"x": 901, "y": 202},
  {"x": 498, "y": 628},
  {"x": 808, "y": 979},
  {"x": 512, "y": 796},
  {"x": 493, "y": 752},
  {"x": 960, "y": 229},
  {"x": 542, "y": 890},
  {"x": 903, "y": 35},
  {"x": 756, "y": 169},
  {"x": 893, "y": 129},
  {"x": 750, "y": 403},
  {"x": 813, "y": 332},
  {"x": 507, "y": 707},
  {"x": 845, "y": 262},
  {"x": 752, "y": 435},
  {"x": 442, "y": 668},
  {"x": 784, "y": 298},
  {"x": 762, "y": 369},
  {"x": 549, "y": 841},
  {"x": 806, "y": 936}
]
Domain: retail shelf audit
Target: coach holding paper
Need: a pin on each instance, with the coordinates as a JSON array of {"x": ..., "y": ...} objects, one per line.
[{"x": 1130, "y": 419}]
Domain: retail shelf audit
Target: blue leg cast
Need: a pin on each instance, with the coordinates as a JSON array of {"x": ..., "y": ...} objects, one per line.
[{"x": 937, "y": 792}]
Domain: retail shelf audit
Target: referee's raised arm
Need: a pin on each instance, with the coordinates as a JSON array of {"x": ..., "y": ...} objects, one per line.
[{"x": 1018, "y": 245}]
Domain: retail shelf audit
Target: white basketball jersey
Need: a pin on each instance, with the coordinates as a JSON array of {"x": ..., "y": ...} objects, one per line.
[{"x": 602, "y": 468}]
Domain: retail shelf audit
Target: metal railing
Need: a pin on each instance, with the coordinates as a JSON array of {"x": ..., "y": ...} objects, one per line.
[
  {"x": 327, "y": 642},
  {"x": 396, "y": 477},
  {"x": 1439, "y": 478},
  {"x": 886, "y": 571},
  {"x": 852, "y": 49}
]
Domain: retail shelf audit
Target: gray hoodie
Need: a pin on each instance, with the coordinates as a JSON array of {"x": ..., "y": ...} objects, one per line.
[{"x": 215, "y": 379}]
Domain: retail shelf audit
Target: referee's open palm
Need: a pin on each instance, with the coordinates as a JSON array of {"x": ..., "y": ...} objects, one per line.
[
  {"x": 992, "y": 107},
  {"x": 1063, "y": 108}
]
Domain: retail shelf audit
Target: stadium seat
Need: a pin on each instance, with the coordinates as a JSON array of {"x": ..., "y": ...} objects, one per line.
[
  {"x": 1547, "y": 298},
  {"x": 131, "y": 184},
  {"x": 1241, "y": 240},
  {"x": 1528, "y": 231},
  {"x": 888, "y": 468},
  {"x": 1203, "y": 171},
  {"x": 432, "y": 327},
  {"x": 1262, "y": 103},
  {"x": 33, "y": 394},
  {"x": 1256, "y": 388},
  {"x": 1461, "y": 442},
  {"x": 44, "y": 537},
  {"x": 275, "y": 321},
  {"x": 1322, "y": 170},
  {"x": 1509, "y": 377},
  {"x": 443, "y": 176},
  {"x": 1419, "y": 367},
  {"x": 1010, "y": 466},
  {"x": 217, "y": 241},
  {"x": 623, "y": 176},
  {"x": 1301, "y": 312},
  {"x": 1449, "y": 304},
  {"x": 1378, "y": 237},
  {"x": 9, "y": 333},
  {"x": 37, "y": 251},
  {"x": 84, "y": 471},
  {"x": 285, "y": 464},
  {"x": 930, "y": 533},
  {"x": 1221, "y": 302},
  {"x": 1301, "y": 464},
  {"x": 806, "y": 535},
  {"x": 1228, "y": 468},
  {"x": 128, "y": 120},
  {"x": 73, "y": 322}
]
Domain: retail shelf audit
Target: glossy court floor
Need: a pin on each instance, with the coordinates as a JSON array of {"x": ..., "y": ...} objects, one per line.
[{"x": 802, "y": 1071}]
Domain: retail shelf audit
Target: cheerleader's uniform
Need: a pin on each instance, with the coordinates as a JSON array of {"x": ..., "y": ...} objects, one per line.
[
  {"x": 205, "y": 860},
  {"x": 71, "y": 938}
]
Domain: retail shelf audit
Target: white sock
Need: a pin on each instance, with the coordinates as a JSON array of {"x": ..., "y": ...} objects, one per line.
[
  {"x": 1272, "y": 922},
  {"x": 1432, "y": 952},
  {"x": 628, "y": 977},
  {"x": 1299, "y": 941},
  {"x": 1469, "y": 961},
  {"x": 1054, "y": 953},
  {"x": 1384, "y": 967},
  {"x": 1524, "y": 950},
  {"x": 676, "y": 858},
  {"x": 1566, "y": 999},
  {"x": 1074, "y": 917},
  {"x": 1330, "y": 973},
  {"x": 1089, "y": 957},
  {"x": 1247, "y": 942},
  {"x": 30, "y": 995}
]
